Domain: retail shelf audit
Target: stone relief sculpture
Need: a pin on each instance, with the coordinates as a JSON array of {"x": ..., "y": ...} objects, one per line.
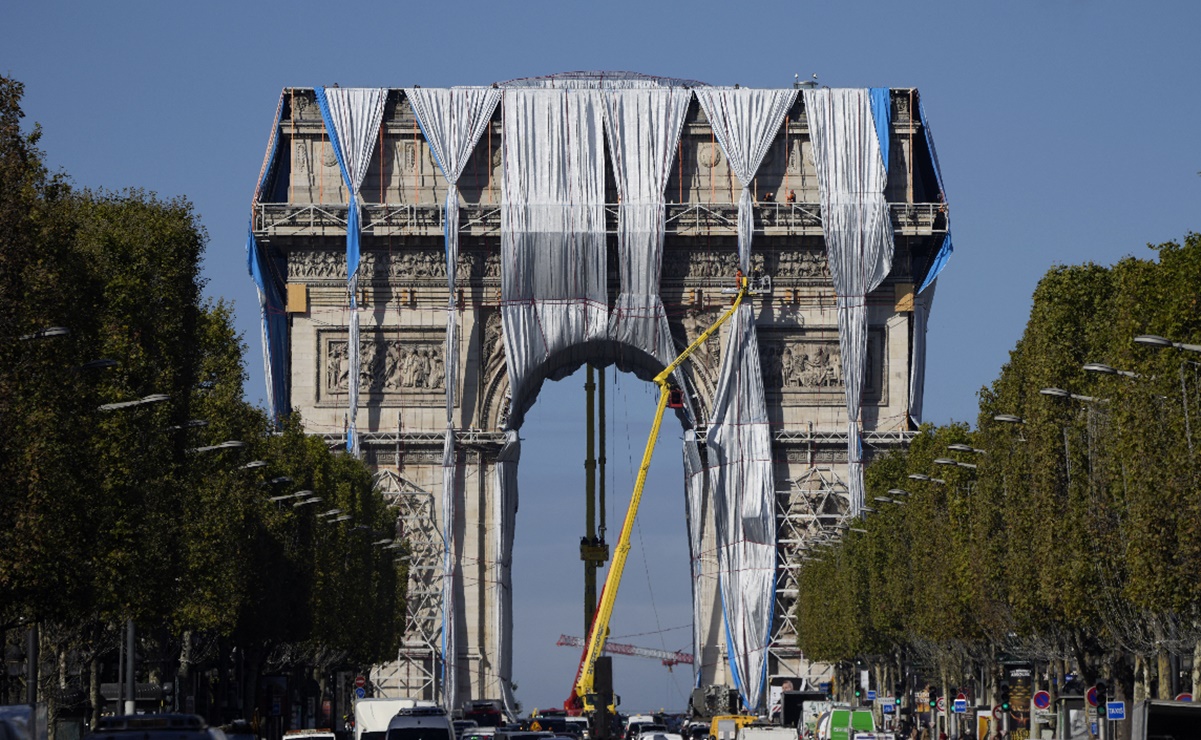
[
  {"x": 801, "y": 365},
  {"x": 422, "y": 264},
  {"x": 386, "y": 365}
]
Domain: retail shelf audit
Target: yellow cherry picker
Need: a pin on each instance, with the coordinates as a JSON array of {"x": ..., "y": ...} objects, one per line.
[{"x": 584, "y": 698}]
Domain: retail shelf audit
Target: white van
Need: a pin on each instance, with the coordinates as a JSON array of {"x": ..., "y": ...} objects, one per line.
[
  {"x": 371, "y": 716},
  {"x": 421, "y": 723}
]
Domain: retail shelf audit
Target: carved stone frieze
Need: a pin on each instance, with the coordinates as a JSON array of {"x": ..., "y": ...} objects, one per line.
[
  {"x": 390, "y": 363},
  {"x": 810, "y": 365},
  {"x": 300, "y": 162},
  {"x": 404, "y": 266},
  {"x": 793, "y": 264}
]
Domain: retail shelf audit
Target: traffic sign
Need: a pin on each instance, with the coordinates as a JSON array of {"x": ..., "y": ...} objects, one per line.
[
  {"x": 960, "y": 706},
  {"x": 1115, "y": 710},
  {"x": 942, "y": 703},
  {"x": 1091, "y": 696},
  {"x": 871, "y": 694},
  {"x": 360, "y": 692},
  {"x": 997, "y": 712},
  {"x": 888, "y": 708},
  {"x": 360, "y": 681},
  {"x": 1041, "y": 700},
  {"x": 1185, "y": 696}
]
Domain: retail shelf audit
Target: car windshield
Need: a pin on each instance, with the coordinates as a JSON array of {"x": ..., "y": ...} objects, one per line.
[{"x": 430, "y": 732}]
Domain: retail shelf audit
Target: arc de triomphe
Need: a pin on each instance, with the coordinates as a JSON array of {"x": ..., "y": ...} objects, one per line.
[{"x": 299, "y": 234}]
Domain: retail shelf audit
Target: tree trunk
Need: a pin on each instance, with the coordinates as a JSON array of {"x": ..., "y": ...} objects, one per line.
[
  {"x": 1140, "y": 678},
  {"x": 1163, "y": 672},
  {"x": 1196, "y": 670}
]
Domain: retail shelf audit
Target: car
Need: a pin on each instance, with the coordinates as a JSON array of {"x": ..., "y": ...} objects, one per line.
[
  {"x": 155, "y": 727},
  {"x": 660, "y": 735},
  {"x": 463, "y": 725},
  {"x": 635, "y": 730},
  {"x": 421, "y": 723},
  {"x": 479, "y": 733}
]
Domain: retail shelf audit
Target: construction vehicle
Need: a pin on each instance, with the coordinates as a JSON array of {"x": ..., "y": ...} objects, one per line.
[{"x": 584, "y": 696}]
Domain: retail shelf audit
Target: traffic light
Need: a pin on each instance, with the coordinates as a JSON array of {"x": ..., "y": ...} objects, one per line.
[
  {"x": 858, "y": 693},
  {"x": 897, "y": 691},
  {"x": 1004, "y": 697},
  {"x": 1102, "y": 693},
  {"x": 933, "y": 697}
]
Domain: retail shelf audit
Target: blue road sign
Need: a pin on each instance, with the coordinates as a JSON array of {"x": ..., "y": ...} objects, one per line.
[
  {"x": 960, "y": 706},
  {"x": 888, "y": 708},
  {"x": 871, "y": 695},
  {"x": 1115, "y": 710},
  {"x": 360, "y": 693},
  {"x": 824, "y": 687}
]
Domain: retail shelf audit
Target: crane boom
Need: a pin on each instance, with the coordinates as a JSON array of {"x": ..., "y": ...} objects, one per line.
[
  {"x": 668, "y": 657},
  {"x": 583, "y": 691}
]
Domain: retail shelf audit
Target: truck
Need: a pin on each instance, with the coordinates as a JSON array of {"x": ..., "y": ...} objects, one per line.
[
  {"x": 371, "y": 716},
  {"x": 1159, "y": 719}
]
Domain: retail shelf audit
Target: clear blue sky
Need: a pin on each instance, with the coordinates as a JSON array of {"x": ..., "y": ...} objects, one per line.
[{"x": 1067, "y": 129}]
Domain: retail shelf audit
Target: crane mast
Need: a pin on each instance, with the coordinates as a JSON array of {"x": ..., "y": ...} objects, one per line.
[{"x": 582, "y": 698}]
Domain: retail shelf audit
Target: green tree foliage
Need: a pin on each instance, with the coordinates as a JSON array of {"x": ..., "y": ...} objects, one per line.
[
  {"x": 1078, "y": 533},
  {"x": 137, "y": 512}
]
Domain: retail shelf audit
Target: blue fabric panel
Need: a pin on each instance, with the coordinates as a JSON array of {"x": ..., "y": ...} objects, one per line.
[
  {"x": 930, "y": 145},
  {"x": 352, "y": 227},
  {"x": 940, "y": 261},
  {"x": 275, "y": 325},
  {"x": 730, "y": 652},
  {"x": 882, "y": 114}
]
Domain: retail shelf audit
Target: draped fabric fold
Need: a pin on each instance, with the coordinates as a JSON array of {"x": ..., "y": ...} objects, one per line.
[
  {"x": 553, "y": 283},
  {"x": 694, "y": 501},
  {"x": 505, "y": 522},
  {"x": 273, "y": 321},
  {"x": 452, "y": 121},
  {"x": 643, "y": 126},
  {"x": 352, "y": 116},
  {"x": 917, "y": 358},
  {"x": 944, "y": 252},
  {"x": 745, "y": 123},
  {"x": 744, "y": 507},
  {"x": 858, "y": 232}
]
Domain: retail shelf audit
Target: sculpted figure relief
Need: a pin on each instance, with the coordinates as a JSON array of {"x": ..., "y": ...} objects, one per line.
[
  {"x": 801, "y": 365},
  {"x": 386, "y": 365}
]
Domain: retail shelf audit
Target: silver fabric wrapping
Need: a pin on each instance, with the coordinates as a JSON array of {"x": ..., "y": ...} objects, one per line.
[
  {"x": 357, "y": 113},
  {"x": 744, "y": 507},
  {"x": 858, "y": 232},
  {"x": 643, "y": 127},
  {"x": 553, "y": 292},
  {"x": 694, "y": 491},
  {"x": 922, "y": 303},
  {"x": 505, "y": 521},
  {"x": 450, "y": 662},
  {"x": 745, "y": 123},
  {"x": 452, "y": 122}
]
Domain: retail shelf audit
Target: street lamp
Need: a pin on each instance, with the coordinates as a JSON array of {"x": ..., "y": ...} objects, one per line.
[
  {"x": 959, "y": 447},
  {"x": 1061, "y": 393},
  {"x": 956, "y": 463},
  {"x": 1008, "y": 419},
  {"x": 1102, "y": 368},
  {"x": 1151, "y": 340},
  {"x": 902, "y": 491},
  {"x": 144, "y": 400},
  {"x": 49, "y": 331}
]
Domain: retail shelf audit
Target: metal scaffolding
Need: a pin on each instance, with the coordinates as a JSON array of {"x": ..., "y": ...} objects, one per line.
[{"x": 414, "y": 673}]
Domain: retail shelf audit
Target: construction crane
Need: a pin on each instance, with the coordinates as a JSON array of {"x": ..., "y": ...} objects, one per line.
[
  {"x": 583, "y": 691},
  {"x": 668, "y": 658}
]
